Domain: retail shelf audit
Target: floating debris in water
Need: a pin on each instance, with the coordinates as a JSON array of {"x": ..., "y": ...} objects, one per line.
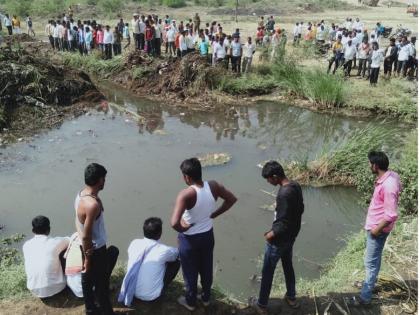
[{"x": 214, "y": 159}]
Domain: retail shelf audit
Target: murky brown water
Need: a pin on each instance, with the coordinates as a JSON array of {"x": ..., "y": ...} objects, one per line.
[{"x": 43, "y": 176}]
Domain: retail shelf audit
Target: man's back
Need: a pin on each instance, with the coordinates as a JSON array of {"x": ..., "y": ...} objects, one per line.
[
  {"x": 289, "y": 210},
  {"x": 42, "y": 265},
  {"x": 152, "y": 270}
]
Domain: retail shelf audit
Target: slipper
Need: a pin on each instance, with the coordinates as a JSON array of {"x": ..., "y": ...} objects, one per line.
[
  {"x": 291, "y": 302},
  {"x": 253, "y": 302},
  {"x": 356, "y": 301},
  {"x": 358, "y": 284}
]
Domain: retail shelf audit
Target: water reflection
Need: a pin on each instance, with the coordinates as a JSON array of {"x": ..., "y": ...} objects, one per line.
[{"x": 293, "y": 133}]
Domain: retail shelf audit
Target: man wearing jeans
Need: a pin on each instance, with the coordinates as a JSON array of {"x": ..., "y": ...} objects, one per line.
[
  {"x": 281, "y": 237},
  {"x": 380, "y": 220},
  {"x": 193, "y": 215},
  {"x": 98, "y": 259}
]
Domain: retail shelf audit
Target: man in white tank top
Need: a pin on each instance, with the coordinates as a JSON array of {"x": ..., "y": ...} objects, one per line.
[
  {"x": 99, "y": 261},
  {"x": 192, "y": 217}
]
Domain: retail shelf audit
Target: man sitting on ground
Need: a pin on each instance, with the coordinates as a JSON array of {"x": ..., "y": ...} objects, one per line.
[
  {"x": 44, "y": 262},
  {"x": 151, "y": 265}
]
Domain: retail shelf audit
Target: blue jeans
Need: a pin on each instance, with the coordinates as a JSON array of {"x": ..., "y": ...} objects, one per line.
[
  {"x": 196, "y": 255},
  {"x": 374, "y": 247},
  {"x": 271, "y": 257}
]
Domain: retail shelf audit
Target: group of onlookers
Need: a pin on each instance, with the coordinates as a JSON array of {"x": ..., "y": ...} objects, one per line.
[
  {"x": 85, "y": 263},
  {"x": 352, "y": 46}
]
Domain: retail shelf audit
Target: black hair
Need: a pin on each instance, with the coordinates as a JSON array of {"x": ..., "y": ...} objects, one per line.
[
  {"x": 152, "y": 228},
  {"x": 272, "y": 168},
  {"x": 379, "y": 159},
  {"x": 192, "y": 168},
  {"x": 40, "y": 225},
  {"x": 93, "y": 173}
]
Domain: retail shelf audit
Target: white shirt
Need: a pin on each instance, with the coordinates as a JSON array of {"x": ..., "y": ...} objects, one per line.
[
  {"x": 60, "y": 30},
  {"x": 296, "y": 30},
  {"x": 135, "y": 26},
  {"x": 345, "y": 40},
  {"x": 300, "y": 28},
  {"x": 404, "y": 52},
  {"x": 74, "y": 282},
  {"x": 236, "y": 49},
  {"x": 219, "y": 51},
  {"x": 42, "y": 265},
  {"x": 182, "y": 43},
  {"x": 108, "y": 37},
  {"x": 7, "y": 22},
  {"x": 190, "y": 42},
  {"x": 349, "y": 51},
  {"x": 248, "y": 50},
  {"x": 158, "y": 31},
  {"x": 142, "y": 27},
  {"x": 150, "y": 278},
  {"x": 357, "y": 25},
  {"x": 55, "y": 31},
  {"x": 170, "y": 35},
  {"x": 377, "y": 58}
]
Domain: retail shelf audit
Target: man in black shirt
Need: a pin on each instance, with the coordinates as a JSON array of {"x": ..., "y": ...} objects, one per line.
[{"x": 281, "y": 237}]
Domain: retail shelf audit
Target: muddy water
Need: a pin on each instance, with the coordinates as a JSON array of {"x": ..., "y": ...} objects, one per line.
[{"x": 44, "y": 175}]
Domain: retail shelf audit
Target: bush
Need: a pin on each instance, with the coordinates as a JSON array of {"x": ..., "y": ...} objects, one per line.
[
  {"x": 111, "y": 6},
  {"x": 19, "y": 8},
  {"x": 174, "y": 3},
  {"x": 250, "y": 84},
  {"x": 321, "y": 88}
]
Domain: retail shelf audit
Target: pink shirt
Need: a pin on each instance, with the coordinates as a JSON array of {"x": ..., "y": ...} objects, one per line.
[
  {"x": 384, "y": 203},
  {"x": 99, "y": 37}
]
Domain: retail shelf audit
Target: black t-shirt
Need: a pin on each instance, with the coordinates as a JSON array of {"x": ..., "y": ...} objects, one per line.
[{"x": 289, "y": 210}]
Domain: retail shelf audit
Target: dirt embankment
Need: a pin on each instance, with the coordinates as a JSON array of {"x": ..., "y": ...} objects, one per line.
[
  {"x": 36, "y": 94},
  {"x": 190, "y": 80}
]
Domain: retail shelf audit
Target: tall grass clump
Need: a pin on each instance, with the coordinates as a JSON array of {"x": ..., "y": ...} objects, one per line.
[
  {"x": 12, "y": 271},
  {"x": 250, "y": 84},
  {"x": 322, "y": 89},
  {"x": 94, "y": 63},
  {"x": 174, "y": 3}
]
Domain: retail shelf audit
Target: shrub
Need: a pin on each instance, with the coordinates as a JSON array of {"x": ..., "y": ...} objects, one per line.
[
  {"x": 250, "y": 84},
  {"x": 111, "y": 6},
  {"x": 174, "y": 3}
]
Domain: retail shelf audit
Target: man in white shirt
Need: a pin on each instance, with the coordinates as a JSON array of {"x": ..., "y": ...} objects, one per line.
[
  {"x": 403, "y": 56},
  {"x": 108, "y": 41},
  {"x": 296, "y": 29},
  {"x": 160, "y": 264},
  {"x": 357, "y": 25},
  {"x": 183, "y": 43},
  {"x": 219, "y": 51},
  {"x": 349, "y": 54},
  {"x": 248, "y": 51},
  {"x": 8, "y": 23},
  {"x": 170, "y": 39},
  {"x": 142, "y": 29},
  {"x": 42, "y": 254},
  {"x": 158, "y": 37},
  {"x": 136, "y": 30}
]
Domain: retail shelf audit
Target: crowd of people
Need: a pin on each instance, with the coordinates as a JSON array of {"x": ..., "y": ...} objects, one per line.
[
  {"x": 352, "y": 46},
  {"x": 349, "y": 45},
  {"x": 85, "y": 263}
]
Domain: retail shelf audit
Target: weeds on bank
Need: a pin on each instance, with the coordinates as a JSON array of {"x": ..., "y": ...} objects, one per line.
[
  {"x": 12, "y": 271},
  {"x": 250, "y": 84},
  {"x": 324, "y": 90},
  {"x": 94, "y": 63}
]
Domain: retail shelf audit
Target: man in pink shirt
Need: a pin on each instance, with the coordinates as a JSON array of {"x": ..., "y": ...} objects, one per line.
[{"x": 381, "y": 217}]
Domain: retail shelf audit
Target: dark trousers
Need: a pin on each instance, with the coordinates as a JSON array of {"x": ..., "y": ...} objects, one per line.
[
  {"x": 10, "y": 30},
  {"x": 81, "y": 48},
  {"x": 271, "y": 257},
  {"x": 149, "y": 46},
  {"x": 388, "y": 62},
  {"x": 374, "y": 74},
  {"x": 57, "y": 43},
  {"x": 117, "y": 49},
  {"x": 196, "y": 254},
  {"x": 362, "y": 67},
  {"x": 402, "y": 65},
  {"x": 103, "y": 261},
  {"x": 141, "y": 41},
  {"x": 108, "y": 51},
  {"x": 171, "y": 271},
  {"x": 236, "y": 64},
  {"x": 157, "y": 45},
  {"x": 51, "y": 41},
  {"x": 347, "y": 67},
  {"x": 136, "y": 40},
  {"x": 336, "y": 60}
]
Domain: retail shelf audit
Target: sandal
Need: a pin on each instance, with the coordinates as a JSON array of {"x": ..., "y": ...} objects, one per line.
[
  {"x": 293, "y": 303},
  {"x": 356, "y": 301}
]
